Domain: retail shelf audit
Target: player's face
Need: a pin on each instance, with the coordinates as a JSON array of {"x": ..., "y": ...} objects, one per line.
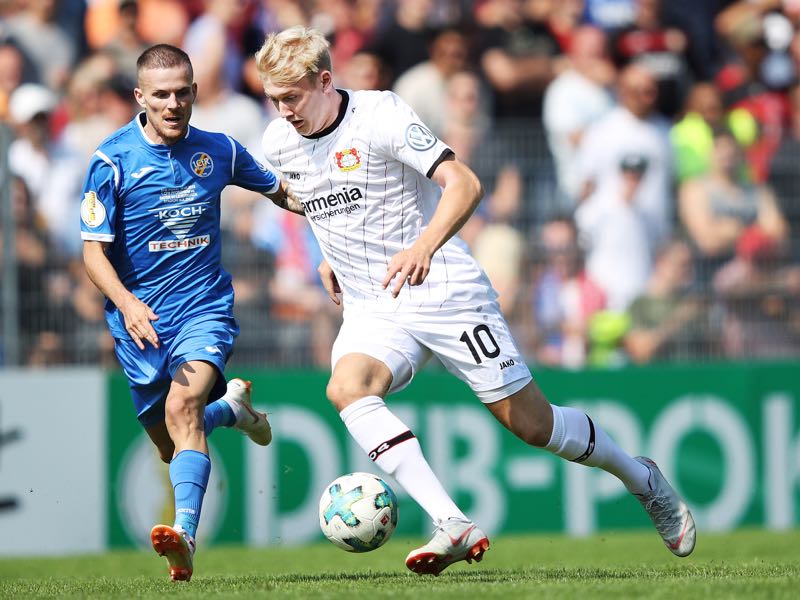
[
  {"x": 166, "y": 96},
  {"x": 304, "y": 104}
]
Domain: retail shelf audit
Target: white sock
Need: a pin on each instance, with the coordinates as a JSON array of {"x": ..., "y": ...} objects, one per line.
[
  {"x": 392, "y": 446},
  {"x": 577, "y": 438},
  {"x": 234, "y": 390}
]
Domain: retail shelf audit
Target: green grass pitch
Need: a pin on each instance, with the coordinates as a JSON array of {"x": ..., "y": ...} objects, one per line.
[{"x": 744, "y": 564}]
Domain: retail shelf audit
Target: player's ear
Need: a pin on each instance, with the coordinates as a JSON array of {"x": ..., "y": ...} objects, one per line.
[
  {"x": 139, "y": 95},
  {"x": 325, "y": 79}
]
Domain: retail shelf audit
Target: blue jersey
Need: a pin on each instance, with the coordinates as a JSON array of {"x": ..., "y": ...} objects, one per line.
[{"x": 159, "y": 207}]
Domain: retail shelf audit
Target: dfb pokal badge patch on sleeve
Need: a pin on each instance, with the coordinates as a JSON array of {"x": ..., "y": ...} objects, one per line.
[
  {"x": 419, "y": 137},
  {"x": 93, "y": 213}
]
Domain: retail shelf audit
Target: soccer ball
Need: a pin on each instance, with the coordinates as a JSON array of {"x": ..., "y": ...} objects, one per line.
[{"x": 358, "y": 512}]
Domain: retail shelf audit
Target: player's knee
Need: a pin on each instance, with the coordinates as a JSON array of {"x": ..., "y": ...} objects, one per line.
[
  {"x": 342, "y": 393},
  {"x": 181, "y": 408},
  {"x": 534, "y": 434}
]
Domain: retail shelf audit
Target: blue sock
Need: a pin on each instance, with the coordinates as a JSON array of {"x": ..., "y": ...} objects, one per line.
[
  {"x": 189, "y": 472},
  {"x": 218, "y": 414}
]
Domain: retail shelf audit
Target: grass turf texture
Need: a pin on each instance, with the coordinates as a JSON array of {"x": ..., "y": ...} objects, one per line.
[{"x": 744, "y": 564}]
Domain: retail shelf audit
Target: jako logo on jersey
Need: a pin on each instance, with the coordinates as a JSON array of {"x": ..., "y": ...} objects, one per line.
[
  {"x": 293, "y": 176},
  {"x": 201, "y": 164},
  {"x": 177, "y": 245},
  {"x": 348, "y": 160},
  {"x": 419, "y": 137},
  {"x": 141, "y": 172},
  {"x": 180, "y": 219},
  {"x": 334, "y": 199},
  {"x": 507, "y": 363},
  {"x": 93, "y": 213}
]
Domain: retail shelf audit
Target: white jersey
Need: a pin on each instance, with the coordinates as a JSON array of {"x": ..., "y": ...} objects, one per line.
[{"x": 364, "y": 184}]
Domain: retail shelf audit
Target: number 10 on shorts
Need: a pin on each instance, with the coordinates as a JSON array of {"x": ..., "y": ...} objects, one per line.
[{"x": 482, "y": 338}]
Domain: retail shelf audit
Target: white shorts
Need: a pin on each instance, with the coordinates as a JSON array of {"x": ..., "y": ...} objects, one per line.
[{"x": 474, "y": 344}]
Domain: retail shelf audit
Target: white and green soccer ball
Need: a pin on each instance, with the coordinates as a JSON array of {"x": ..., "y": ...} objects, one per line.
[{"x": 358, "y": 512}]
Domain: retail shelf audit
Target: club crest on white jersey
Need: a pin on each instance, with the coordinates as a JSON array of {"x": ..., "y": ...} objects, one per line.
[{"x": 348, "y": 160}]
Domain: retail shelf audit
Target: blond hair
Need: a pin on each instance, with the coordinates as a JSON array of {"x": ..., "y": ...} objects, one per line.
[{"x": 293, "y": 54}]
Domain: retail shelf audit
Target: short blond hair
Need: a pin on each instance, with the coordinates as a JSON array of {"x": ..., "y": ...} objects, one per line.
[{"x": 293, "y": 54}]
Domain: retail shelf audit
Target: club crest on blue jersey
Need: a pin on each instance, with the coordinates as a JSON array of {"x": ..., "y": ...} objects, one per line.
[
  {"x": 201, "y": 164},
  {"x": 348, "y": 160},
  {"x": 93, "y": 212}
]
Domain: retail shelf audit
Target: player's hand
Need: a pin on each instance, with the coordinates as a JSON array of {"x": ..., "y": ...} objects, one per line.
[
  {"x": 329, "y": 281},
  {"x": 137, "y": 322},
  {"x": 411, "y": 266}
]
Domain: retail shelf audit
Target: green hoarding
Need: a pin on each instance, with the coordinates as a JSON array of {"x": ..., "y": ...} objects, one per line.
[{"x": 727, "y": 435}]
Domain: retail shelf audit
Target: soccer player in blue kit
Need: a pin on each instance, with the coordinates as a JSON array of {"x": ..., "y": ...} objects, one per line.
[{"x": 150, "y": 224}]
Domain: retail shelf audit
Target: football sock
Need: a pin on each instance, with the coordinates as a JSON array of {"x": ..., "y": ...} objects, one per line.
[
  {"x": 578, "y": 439},
  {"x": 189, "y": 472},
  {"x": 391, "y": 445},
  {"x": 218, "y": 414}
]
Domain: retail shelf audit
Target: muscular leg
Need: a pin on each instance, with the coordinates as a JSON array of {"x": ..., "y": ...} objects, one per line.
[
  {"x": 185, "y": 404},
  {"x": 356, "y": 388},
  {"x": 160, "y": 437},
  {"x": 190, "y": 467},
  {"x": 568, "y": 433}
]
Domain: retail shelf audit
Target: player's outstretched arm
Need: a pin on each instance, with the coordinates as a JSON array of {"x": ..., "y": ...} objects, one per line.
[
  {"x": 462, "y": 192},
  {"x": 137, "y": 314},
  {"x": 285, "y": 198}
]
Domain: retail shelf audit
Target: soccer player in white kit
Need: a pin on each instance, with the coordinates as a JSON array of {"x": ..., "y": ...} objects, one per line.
[{"x": 385, "y": 199}]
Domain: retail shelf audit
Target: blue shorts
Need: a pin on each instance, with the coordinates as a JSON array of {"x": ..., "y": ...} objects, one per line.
[{"x": 150, "y": 371}]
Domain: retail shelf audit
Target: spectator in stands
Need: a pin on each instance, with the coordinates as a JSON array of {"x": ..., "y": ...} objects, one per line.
[
  {"x": 11, "y": 69},
  {"x": 218, "y": 62},
  {"x": 760, "y": 295},
  {"x": 564, "y": 298},
  {"x": 610, "y": 15},
  {"x": 565, "y": 16},
  {"x": 575, "y": 99},
  {"x": 424, "y": 86},
  {"x": 784, "y": 175},
  {"x": 50, "y": 169},
  {"x": 31, "y": 256},
  {"x": 661, "y": 48},
  {"x": 304, "y": 318},
  {"x": 467, "y": 120},
  {"x": 747, "y": 83},
  {"x": 633, "y": 128},
  {"x": 718, "y": 208},
  {"x": 365, "y": 71},
  {"x": 213, "y": 47},
  {"x": 48, "y": 48},
  {"x": 666, "y": 319},
  {"x": 404, "y": 41},
  {"x": 349, "y": 26},
  {"x": 519, "y": 56},
  {"x": 498, "y": 246},
  {"x": 620, "y": 237},
  {"x": 693, "y": 138},
  {"x": 98, "y": 102},
  {"x": 127, "y": 43},
  {"x": 269, "y": 16}
]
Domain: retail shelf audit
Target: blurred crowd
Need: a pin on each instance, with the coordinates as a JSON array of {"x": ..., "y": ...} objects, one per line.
[{"x": 640, "y": 159}]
